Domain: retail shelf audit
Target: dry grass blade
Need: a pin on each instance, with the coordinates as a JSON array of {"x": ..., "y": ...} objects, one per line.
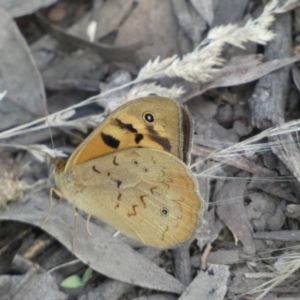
[
  {"x": 248, "y": 144},
  {"x": 199, "y": 65},
  {"x": 288, "y": 265},
  {"x": 144, "y": 90},
  {"x": 38, "y": 151}
]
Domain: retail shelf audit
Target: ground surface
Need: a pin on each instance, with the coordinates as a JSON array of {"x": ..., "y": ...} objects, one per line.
[{"x": 73, "y": 54}]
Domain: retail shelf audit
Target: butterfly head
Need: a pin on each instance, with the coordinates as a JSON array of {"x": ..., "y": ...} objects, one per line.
[{"x": 57, "y": 165}]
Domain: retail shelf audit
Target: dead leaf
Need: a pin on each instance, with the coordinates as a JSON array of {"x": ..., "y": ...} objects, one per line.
[
  {"x": 109, "y": 52},
  {"x": 205, "y": 8},
  {"x": 18, "y": 8},
  {"x": 34, "y": 285},
  {"x": 266, "y": 212},
  {"x": 19, "y": 77},
  {"x": 208, "y": 285},
  {"x": 233, "y": 213},
  {"x": 228, "y": 11},
  {"x": 102, "y": 252}
]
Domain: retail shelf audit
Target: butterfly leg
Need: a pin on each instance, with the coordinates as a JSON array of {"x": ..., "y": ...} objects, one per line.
[
  {"x": 75, "y": 228},
  {"x": 88, "y": 226},
  {"x": 58, "y": 193}
]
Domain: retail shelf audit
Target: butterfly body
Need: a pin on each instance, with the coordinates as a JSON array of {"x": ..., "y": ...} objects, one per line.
[{"x": 141, "y": 187}]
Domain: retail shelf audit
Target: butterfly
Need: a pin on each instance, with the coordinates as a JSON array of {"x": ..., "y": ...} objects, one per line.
[{"x": 130, "y": 173}]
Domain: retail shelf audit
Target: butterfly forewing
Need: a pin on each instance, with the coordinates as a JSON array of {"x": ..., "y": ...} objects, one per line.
[{"x": 151, "y": 122}]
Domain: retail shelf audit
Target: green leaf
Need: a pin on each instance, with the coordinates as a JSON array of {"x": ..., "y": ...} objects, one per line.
[
  {"x": 72, "y": 282},
  {"x": 87, "y": 275}
]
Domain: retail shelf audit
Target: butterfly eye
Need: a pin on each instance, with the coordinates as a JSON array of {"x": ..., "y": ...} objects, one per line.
[
  {"x": 149, "y": 117},
  {"x": 135, "y": 162},
  {"x": 164, "y": 211},
  {"x": 146, "y": 170}
]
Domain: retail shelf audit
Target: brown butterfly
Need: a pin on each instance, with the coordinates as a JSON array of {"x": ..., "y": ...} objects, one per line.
[{"x": 128, "y": 172}]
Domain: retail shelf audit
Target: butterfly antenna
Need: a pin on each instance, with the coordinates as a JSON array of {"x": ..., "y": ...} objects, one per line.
[{"x": 48, "y": 123}]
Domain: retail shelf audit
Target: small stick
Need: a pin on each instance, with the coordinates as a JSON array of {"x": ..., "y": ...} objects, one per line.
[
  {"x": 204, "y": 256},
  {"x": 75, "y": 227},
  {"x": 88, "y": 225}
]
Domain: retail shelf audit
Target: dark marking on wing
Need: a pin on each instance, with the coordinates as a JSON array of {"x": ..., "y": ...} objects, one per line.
[
  {"x": 95, "y": 170},
  {"x": 109, "y": 140},
  {"x": 119, "y": 182},
  {"x": 117, "y": 206},
  {"x": 138, "y": 137},
  {"x": 108, "y": 174},
  {"x": 166, "y": 185},
  {"x": 168, "y": 179},
  {"x": 163, "y": 141},
  {"x": 114, "y": 161},
  {"x": 119, "y": 196},
  {"x": 151, "y": 190},
  {"x": 128, "y": 126},
  {"x": 134, "y": 211},
  {"x": 143, "y": 201}
]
